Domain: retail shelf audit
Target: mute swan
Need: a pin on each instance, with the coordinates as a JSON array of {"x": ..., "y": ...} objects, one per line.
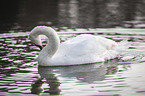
[{"x": 82, "y": 49}]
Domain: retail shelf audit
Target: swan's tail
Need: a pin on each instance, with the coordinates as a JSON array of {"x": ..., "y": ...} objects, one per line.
[
  {"x": 123, "y": 45},
  {"x": 118, "y": 51},
  {"x": 123, "y": 48}
]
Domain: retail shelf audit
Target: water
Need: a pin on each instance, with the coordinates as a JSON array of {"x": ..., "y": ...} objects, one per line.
[
  {"x": 23, "y": 15},
  {"x": 125, "y": 76},
  {"x": 117, "y": 20}
]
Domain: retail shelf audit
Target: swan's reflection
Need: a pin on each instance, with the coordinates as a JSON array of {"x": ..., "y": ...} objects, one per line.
[
  {"x": 36, "y": 87},
  {"x": 52, "y": 87},
  {"x": 53, "y": 84},
  {"x": 84, "y": 73}
]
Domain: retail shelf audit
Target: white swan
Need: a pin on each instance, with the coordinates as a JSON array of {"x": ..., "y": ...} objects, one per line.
[{"x": 82, "y": 49}]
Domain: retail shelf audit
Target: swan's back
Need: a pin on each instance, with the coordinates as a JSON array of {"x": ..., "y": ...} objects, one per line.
[{"x": 84, "y": 48}]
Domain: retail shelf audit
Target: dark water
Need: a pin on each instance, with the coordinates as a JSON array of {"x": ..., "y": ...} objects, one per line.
[
  {"x": 117, "y": 20},
  {"x": 25, "y": 14}
]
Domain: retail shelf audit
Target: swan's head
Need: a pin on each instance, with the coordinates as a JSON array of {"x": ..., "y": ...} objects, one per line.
[{"x": 36, "y": 40}]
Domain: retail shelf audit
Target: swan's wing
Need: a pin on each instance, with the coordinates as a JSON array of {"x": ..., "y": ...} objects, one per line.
[
  {"x": 84, "y": 49},
  {"x": 85, "y": 44}
]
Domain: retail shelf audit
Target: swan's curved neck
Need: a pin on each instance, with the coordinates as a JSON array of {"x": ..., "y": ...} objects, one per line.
[{"x": 50, "y": 49}]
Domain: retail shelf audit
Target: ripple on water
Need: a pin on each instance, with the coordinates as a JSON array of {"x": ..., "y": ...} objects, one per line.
[{"x": 124, "y": 77}]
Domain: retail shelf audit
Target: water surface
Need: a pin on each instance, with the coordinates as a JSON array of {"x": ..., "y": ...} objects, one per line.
[
  {"x": 21, "y": 75},
  {"x": 23, "y": 15},
  {"x": 114, "y": 19}
]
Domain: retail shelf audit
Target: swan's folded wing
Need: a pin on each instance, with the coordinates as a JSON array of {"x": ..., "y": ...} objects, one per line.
[
  {"x": 89, "y": 46},
  {"x": 84, "y": 49}
]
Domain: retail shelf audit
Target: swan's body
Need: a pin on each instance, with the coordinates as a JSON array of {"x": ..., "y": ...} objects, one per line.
[{"x": 82, "y": 49}]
